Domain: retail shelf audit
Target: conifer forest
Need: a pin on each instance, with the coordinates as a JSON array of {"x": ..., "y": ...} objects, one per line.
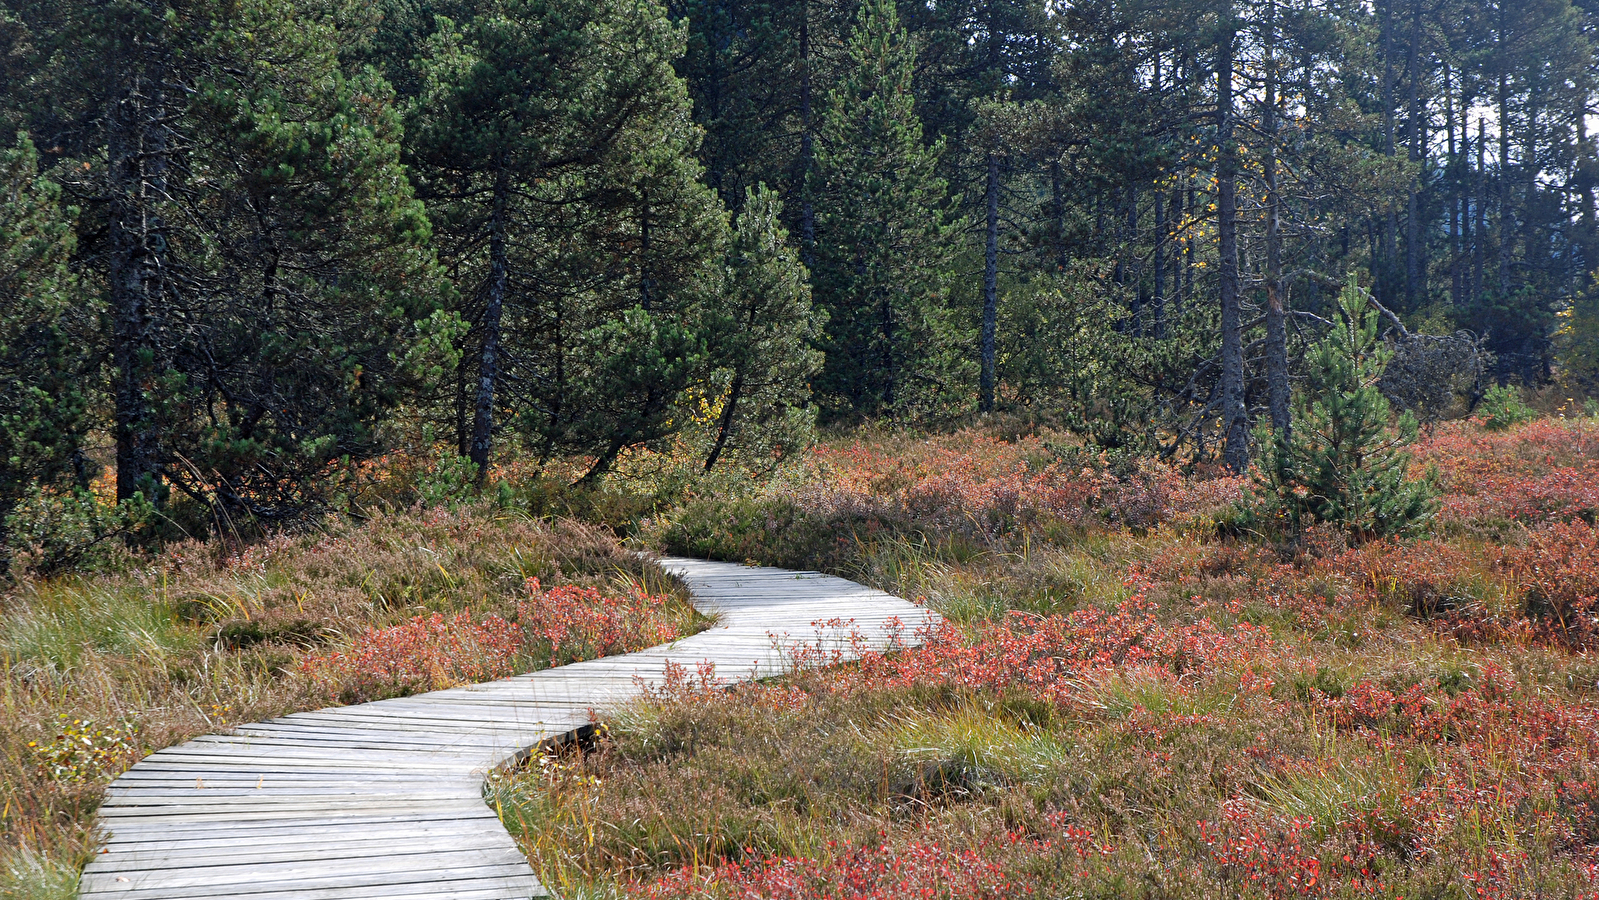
[{"x": 248, "y": 243}]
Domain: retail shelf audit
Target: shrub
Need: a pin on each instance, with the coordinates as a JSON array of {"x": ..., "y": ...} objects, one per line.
[
  {"x": 564, "y": 624},
  {"x": 848, "y": 873},
  {"x": 1502, "y": 408},
  {"x": 53, "y": 531},
  {"x": 1557, "y": 578},
  {"x": 1343, "y": 463}
]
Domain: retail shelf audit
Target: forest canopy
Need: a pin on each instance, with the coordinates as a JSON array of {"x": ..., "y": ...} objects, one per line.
[{"x": 247, "y": 245}]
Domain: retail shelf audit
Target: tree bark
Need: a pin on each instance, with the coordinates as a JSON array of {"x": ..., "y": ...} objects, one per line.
[
  {"x": 139, "y": 150},
  {"x": 1158, "y": 298},
  {"x": 1413, "y": 234},
  {"x": 1506, "y": 216},
  {"x": 1456, "y": 210},
  {"x": 1388, "y": 237},
  {"x": 1277, "y": 384},
  {"x": 1587, "y": 172},
  {"x": 1057, "y": 199},
  {"x": 488, "y": 373},
  {"x": 986, "y": 379},
  {"x": 724, "y": 427},
  {"x": 807, "y": 150},
  {"x": 1235, "y": 417},
  {"x": 1480, "y": 219}
]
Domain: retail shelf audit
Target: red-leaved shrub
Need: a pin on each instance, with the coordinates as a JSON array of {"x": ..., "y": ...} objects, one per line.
[
  {"x": 563, "y": 624},
  {"x": 922, "y": 871}
]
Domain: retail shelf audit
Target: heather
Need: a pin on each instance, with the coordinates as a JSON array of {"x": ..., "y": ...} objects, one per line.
[
  {"x": 101, "y": 669},
  {"x": 1157, "y": 703}
]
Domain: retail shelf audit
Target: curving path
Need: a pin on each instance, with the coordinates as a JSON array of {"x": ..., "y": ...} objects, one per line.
[{"x": 384, "y": 800}]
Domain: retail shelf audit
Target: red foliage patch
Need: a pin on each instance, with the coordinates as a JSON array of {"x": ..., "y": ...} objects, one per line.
[
  {"x": 848, "y": 873},
  {"x": 563, "y": 624},
  {"x": 1543, "y": 470},
  {"x": 426, "y": 653}
]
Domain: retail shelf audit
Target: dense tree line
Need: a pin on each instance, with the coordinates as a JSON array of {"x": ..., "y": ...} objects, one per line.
[{"x": 243, "y": 242}]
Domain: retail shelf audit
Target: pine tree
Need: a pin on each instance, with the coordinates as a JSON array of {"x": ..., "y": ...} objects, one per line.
[
  {"x": 1344, "y": 463},
  {"x": 48, "y": 335},
  {"x": 883, "y": 238},
  {"x": 307, "y": 306},
  {"x": 269, "y": 287},
  {"x": 555, "y": 144},
  {"x": 765, "y": 357}
]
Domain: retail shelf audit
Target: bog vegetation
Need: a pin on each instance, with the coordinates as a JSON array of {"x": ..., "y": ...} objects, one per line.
[{"x": 1218, "y": 369}]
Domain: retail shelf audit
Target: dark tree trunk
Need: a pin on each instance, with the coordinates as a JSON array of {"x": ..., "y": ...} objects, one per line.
[
  {"x": 1057, "y": 201},
  {"x": 1276, "y": 324},
  {"x": 807, "y": 210},
  {"x": 1158, "y": 298},
  {"x": 1587, "y": 173},
  {"x": 488, "y": 372},
  {"x": 1480, "y": 218},
  {"x": 1507, "y": 217},
  {"x": 724, "y": 426},
  {"x": 1129, "y": 249},
  {"x": 1388, "y": 237},
  {"x": 1456, "y": 210},
  {"x": 1235, "y": 417},
  {"x": 1414, "y": 251},
  {"x": 139, "y": 150},
  {"x": 986, "y": 378}
]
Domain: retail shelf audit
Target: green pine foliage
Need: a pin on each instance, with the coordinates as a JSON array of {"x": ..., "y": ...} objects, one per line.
[
  {"x": 1344, "y": 463},
  {"x": 555, "y": 145},
  {"x": 313, "y": 280},
  {"x": 883, "y": 237},
  {"x": 765, "y": 356},
  {"x": 49, "y": 326},
  {"x": 1502, "y": 408}
]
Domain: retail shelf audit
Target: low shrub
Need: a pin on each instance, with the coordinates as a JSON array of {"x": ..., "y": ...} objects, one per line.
[
  {"x": 1502, "y": 408},
  {"x": 563, "y": 624}
]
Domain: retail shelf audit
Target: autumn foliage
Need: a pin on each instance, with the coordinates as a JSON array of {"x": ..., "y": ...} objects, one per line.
[{"x": 566, "y": 623}]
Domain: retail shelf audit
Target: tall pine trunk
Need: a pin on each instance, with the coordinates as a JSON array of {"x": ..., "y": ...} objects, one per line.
[
  {"x": 1276, "y": 316},
  {"x": 1479, "y": 223},
  {"x": 488, "y": 373},
  {"x": 1235, "y": 417},
  {"x": 807, "y": 150},
  {"x": 1587, "y": 172},
  {"x": 1388, "y": 236},
  {"x": 1413, "y": 234},
  {"x": 1506, "y": 216},
  {"x": 139, "y": 151},
  {"x": 986, "y": 378},
  {"x": 1456, "y": 210},
  {"x": 1158, "y": 298}
]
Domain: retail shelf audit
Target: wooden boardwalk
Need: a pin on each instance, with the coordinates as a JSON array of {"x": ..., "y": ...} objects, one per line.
[{"x": 384, "y": 800}]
